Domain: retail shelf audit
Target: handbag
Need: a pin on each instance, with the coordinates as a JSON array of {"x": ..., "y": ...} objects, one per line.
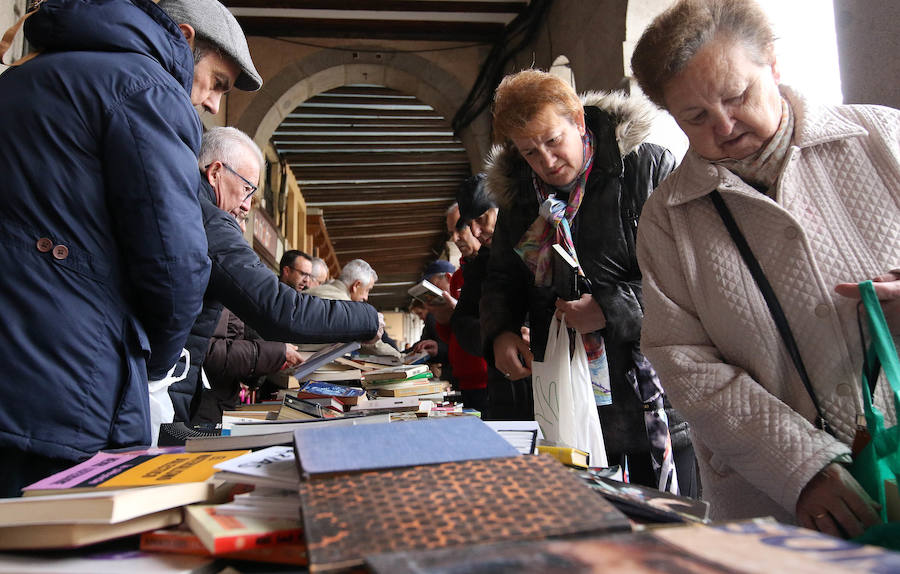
[
  {"x": 564, "y": 404},
  {"x": 877, "y": 466}
]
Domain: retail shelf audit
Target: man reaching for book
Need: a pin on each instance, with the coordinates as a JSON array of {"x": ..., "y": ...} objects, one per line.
[{"x": 231, "y": 163}]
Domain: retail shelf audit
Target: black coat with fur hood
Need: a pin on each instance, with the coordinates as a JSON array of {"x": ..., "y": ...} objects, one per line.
[{"x": 625, "y": 171}]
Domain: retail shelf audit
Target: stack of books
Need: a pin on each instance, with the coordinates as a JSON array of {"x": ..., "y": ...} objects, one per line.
[
  {"x": 405, "y": 381},
  {"x": 109, "y": 496}
]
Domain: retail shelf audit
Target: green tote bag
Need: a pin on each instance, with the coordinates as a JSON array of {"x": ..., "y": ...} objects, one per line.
[{"x": 880, "y": 459}]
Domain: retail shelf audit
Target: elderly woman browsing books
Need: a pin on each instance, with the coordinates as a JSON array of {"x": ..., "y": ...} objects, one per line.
[
  {"x": 813, "y": 191},
  {"x": 575, "y": 172}
]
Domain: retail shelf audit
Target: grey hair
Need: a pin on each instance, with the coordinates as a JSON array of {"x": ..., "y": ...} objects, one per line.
[
  {"x": 317, "y": 264},
  {"x": 675, "y": 36},
  {"x": 358, "y": 270},
  {"x": 452, "y": 208},
  {"x": 228, "y": 145}
]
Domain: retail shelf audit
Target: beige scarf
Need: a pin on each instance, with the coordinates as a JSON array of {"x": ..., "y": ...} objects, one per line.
[{"x": 763, "y": 167}]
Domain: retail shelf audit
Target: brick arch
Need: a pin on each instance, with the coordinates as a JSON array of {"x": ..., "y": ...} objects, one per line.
[{"x": 329, "y": 69}]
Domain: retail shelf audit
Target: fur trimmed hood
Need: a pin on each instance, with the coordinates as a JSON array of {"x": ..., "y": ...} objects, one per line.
[{"x": 633, "y": 116}]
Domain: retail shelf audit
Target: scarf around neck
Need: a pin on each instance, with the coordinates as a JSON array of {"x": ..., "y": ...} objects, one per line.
[
  {"x": 553, "y": 223},
  {"x": 764, "y": 166}
]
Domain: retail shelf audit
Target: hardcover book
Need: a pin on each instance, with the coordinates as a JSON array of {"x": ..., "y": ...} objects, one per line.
[
  {"x": 350, "y": 516},
  {"x": 326, "y": 450},
  {"x": 222, "y": 534}
]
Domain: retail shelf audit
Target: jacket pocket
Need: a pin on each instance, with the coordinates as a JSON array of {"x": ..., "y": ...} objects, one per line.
[{"x": 131, "y": 422}]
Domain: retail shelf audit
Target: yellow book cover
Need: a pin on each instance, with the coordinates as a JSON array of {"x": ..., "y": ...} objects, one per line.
[
  {"x": 134, "y": 468},
  {"x": 566, "y": 455}
]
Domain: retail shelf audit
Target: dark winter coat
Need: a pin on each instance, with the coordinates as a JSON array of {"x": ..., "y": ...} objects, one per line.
[
  {"x": 625, "y": 170},
  {"x": 234, "y": 357},
  {"x": 103, "y": 254},
  {"x": 278, "y": 312}
]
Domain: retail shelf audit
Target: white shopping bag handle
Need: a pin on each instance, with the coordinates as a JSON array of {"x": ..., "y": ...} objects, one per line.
[{"x": 171, "y": 377}]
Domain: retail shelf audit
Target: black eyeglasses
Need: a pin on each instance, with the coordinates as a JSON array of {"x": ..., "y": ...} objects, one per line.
[{"x": 250, "y": 189}]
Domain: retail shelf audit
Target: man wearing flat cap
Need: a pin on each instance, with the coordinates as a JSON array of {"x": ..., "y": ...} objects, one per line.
[{"x": 101, "y": 239}]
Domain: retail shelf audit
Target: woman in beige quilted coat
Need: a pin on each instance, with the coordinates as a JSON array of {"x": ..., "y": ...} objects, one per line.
[{"x": 816, "y": 192}]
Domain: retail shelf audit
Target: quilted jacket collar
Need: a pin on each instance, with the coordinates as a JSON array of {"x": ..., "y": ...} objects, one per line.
[{"x": 814, "y": 125}]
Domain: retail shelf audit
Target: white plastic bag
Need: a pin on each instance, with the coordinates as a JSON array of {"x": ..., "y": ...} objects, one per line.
[
  {"x": 161, "y": 409},
  {"x": 564, "y": 404}
]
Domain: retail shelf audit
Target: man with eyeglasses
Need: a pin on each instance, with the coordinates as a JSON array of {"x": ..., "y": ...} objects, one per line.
[
  {"x": 231, "y": 163},
  {"x": 296, "y": 269}
]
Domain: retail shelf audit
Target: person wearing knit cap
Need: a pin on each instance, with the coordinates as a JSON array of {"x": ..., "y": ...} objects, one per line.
[
  {"x": 508, "y": 399},
  {"x": 102, "y": 237}
]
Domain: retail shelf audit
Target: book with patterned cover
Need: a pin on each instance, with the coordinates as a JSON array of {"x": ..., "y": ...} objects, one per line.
[{"x": 348, "y": 517}]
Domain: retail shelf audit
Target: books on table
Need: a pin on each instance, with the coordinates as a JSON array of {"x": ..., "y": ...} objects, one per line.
[
  {"x": 151, "y": 467},
  {"x": 267, "y": 427},
  {"x": 275, "y": 464}
]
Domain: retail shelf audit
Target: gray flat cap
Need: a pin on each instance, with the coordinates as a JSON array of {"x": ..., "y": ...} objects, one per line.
[{"x": 213, "y": 22}]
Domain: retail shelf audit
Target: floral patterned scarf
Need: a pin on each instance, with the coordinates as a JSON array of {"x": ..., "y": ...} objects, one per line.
[{"x": 553, "y": 225}]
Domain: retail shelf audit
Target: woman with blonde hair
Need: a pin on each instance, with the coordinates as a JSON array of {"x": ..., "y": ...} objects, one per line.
[{"x": 576, "y": 171}]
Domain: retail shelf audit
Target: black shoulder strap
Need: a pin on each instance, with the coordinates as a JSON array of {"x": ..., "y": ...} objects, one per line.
[{"x": 768, "y": 293}]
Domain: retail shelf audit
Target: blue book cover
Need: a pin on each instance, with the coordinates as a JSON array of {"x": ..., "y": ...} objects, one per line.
[
  {"x": 326, "y": 450},
  {"x": 329, "y": 389}
]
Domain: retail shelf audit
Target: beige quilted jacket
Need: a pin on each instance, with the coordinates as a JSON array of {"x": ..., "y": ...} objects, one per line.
[{"x": 708, "y": 331}]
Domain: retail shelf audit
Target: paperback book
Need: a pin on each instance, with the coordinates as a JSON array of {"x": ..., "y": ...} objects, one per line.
[
  {"x": 113, "y": 470},
  {"x": 221, "y": 534}
]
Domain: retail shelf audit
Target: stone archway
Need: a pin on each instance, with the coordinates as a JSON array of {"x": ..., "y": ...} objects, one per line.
[{"x": 328, "y": 69}]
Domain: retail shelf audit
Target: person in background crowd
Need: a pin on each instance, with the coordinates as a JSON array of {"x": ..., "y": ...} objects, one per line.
[
  {"x": 432, "y": 344},
  {"x": 234, "y": 357},
  {"x": 576, "y": 172},
  {"x": 814, "y": 190},
  {"x": 104, "y": 255},
  {"x": 231, "y": 163},
  {"x": 476, "y": 217},
  {"x": 461, "y": 234},
  {"x": 319, "y": 272},
  {"x": 470, "y": 371},
  {"x": 354, "y": 284},
  {"x": 296, "y": 269}
]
